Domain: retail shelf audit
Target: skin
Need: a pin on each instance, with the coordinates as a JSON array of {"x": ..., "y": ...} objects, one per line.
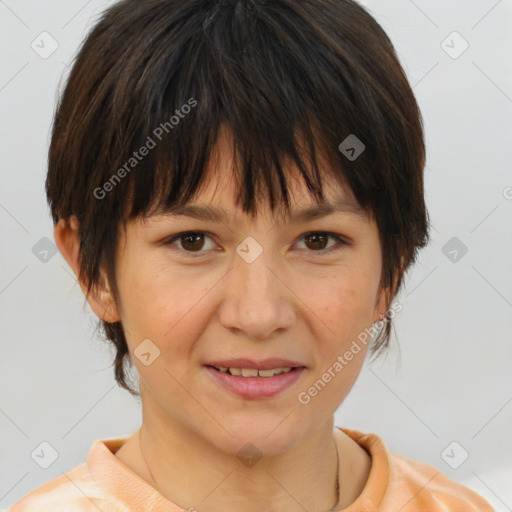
[{"x": 297, "y": 300}]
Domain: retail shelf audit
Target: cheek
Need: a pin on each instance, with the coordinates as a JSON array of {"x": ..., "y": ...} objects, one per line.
[
  {"x": 164, "y": 307},
  {"x": 344, "y": 301}
]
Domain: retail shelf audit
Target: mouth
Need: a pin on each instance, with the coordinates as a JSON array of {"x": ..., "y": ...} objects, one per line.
[
  {"x": 255, "y": 383},
  {"x": 254, "y": 372}
]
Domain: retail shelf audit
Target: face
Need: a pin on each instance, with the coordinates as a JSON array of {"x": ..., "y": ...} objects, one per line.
[{"x": 276, "y": 292}]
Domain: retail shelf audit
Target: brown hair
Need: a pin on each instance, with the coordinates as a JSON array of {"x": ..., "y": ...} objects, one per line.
[{"x": 289, "y": 78}]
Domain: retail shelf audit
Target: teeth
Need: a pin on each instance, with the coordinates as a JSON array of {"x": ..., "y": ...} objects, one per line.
[
  {"x": 249, "y": 372},
  {"x": 269, "y": 373},
  {"x": 253, "y": 372}
]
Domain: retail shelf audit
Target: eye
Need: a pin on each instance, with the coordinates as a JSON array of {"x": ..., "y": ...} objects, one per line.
[
  {"x": 318, "y": 240},
  {"x": 192, "y": 242}
]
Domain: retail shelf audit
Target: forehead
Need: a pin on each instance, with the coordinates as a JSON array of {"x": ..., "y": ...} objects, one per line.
[
  {"x": 216, "y": 202},
  {"x": 215, "y": 199}
]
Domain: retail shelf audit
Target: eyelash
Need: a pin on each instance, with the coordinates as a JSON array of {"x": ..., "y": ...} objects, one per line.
[{"x": 342, "y": 242}]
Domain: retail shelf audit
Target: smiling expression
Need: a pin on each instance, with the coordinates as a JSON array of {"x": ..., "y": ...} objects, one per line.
[{"x": 217, "y": 295}]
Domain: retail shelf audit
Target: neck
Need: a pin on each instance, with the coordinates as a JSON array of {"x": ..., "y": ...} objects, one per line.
[{"x": 197, "y": 474}]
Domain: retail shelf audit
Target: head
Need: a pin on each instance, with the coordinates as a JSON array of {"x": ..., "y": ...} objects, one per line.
[{"x": 239, "y": 105}]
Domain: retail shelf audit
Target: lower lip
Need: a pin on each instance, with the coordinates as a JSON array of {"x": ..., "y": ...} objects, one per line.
[{"x": 256, "y": 387}]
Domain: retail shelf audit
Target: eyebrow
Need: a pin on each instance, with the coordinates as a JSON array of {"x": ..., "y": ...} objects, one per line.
[{"x": 215, "y": 214}]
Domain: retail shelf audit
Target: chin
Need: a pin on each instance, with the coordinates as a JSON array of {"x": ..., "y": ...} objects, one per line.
[{"x": 268, "y": 435}]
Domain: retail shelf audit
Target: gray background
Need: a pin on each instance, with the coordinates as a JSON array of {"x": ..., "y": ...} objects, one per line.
[{"x": 453, "y": 379}]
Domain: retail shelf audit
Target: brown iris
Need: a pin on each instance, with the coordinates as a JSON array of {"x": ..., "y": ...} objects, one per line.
[
  {"x": 195, "y": 241},
  {"x": 318, "y": 238}
]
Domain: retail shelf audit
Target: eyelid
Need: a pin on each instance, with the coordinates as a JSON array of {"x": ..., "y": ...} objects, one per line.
[
  {"x": 342, "y": 242},
  {"x": 170, "y": 242}
]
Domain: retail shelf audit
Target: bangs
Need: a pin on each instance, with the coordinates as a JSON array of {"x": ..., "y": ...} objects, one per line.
[
  {"x": 304, "y": 89},
  {"x": 249, "y": 70}
]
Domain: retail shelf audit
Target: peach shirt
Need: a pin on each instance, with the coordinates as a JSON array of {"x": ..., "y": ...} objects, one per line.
[{"x": 104, "y": 484}]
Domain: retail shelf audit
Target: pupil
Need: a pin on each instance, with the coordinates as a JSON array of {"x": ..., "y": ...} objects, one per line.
[
  {"x": 316, "y": 236},
  {"x": 194, "y": 244}
]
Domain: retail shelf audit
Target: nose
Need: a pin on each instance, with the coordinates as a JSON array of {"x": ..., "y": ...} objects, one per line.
[{"x": 257, "y": 300}]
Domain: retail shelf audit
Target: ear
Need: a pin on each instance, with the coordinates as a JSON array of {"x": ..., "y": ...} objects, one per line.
[{"x": 100, "y": 298}]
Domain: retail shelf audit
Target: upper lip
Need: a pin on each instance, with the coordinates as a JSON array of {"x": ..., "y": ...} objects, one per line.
[{"x": 264, "y": 364}]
